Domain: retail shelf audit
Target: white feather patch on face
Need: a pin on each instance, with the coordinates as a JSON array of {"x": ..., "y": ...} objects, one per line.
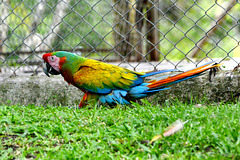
[{"x": 54, "y": 62}]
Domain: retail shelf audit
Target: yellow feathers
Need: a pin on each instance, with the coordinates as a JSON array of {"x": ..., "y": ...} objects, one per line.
[{"x": 102, "y": 77}]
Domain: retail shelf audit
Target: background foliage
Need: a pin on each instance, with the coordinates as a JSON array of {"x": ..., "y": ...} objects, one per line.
[{"x": 93, "y": 28}]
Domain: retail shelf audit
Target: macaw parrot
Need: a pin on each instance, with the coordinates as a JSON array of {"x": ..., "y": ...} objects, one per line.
[{"x": 109, "y": 83}]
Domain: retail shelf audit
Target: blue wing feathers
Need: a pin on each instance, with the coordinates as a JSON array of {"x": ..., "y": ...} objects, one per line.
[
  {"x": 138, "y": 90},
  {"x": 157, "y": 90},
  {"x": 138, "y": 81},
  {"x": 139, "y": 96},
  {"x": 116, "y": 97}
]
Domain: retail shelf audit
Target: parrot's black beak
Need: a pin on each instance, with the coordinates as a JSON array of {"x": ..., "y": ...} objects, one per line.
[{"x": 47, "y": 68}]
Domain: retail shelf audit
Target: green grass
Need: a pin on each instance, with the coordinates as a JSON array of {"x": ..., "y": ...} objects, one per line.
[{"x": 213, "y": 132}]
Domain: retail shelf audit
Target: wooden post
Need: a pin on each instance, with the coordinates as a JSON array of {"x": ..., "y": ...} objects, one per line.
[
  {"x": 139, "y": 27},
  {"x": 153, "y": 37},
  {"x": 121, "y": 28}
]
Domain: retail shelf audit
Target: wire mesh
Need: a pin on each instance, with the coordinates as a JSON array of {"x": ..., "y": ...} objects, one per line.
[{"x": 129, "y": 33}]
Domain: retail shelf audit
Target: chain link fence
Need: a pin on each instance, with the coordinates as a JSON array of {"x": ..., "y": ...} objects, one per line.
[{"x": 130, "y": 32}]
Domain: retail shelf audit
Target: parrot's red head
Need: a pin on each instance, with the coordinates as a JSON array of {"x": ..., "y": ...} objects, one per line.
[
  {"x": 51, "y": 64},
  {"x": 61, "y": 62}
]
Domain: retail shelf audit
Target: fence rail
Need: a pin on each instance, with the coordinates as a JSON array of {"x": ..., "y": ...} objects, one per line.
[{"x": 139, "y": 31}]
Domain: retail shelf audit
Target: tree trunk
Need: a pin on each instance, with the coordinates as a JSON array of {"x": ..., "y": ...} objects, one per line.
[
  {"x": 139, "y": 27},
  {"x": 152, "y": 36},
  {"x": 122, "y": 27}
]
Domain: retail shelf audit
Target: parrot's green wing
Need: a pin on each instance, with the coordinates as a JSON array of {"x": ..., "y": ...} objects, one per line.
[{"x": 102, "y": 78}]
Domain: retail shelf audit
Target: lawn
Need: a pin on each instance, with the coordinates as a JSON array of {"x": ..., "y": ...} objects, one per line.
[{"x": 55, "y": 132}]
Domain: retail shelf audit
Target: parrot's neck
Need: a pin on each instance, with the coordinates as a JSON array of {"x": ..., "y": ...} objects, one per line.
[{"x": 70, "y": 66}]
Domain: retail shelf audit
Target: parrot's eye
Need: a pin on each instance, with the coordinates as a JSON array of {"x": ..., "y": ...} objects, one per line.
[{"x": 52, "y": 58}]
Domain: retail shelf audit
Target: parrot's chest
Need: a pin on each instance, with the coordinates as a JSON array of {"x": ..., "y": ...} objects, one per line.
[{"x": 68, "y": 77}]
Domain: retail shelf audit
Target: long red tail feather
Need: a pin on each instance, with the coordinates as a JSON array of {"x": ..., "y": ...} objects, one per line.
[{"x": 198, "y": 70}]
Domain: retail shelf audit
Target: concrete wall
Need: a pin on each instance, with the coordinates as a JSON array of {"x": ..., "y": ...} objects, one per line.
[
  {"x": 38, "y": 90},
  {"x": 41, "y": 90}
]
